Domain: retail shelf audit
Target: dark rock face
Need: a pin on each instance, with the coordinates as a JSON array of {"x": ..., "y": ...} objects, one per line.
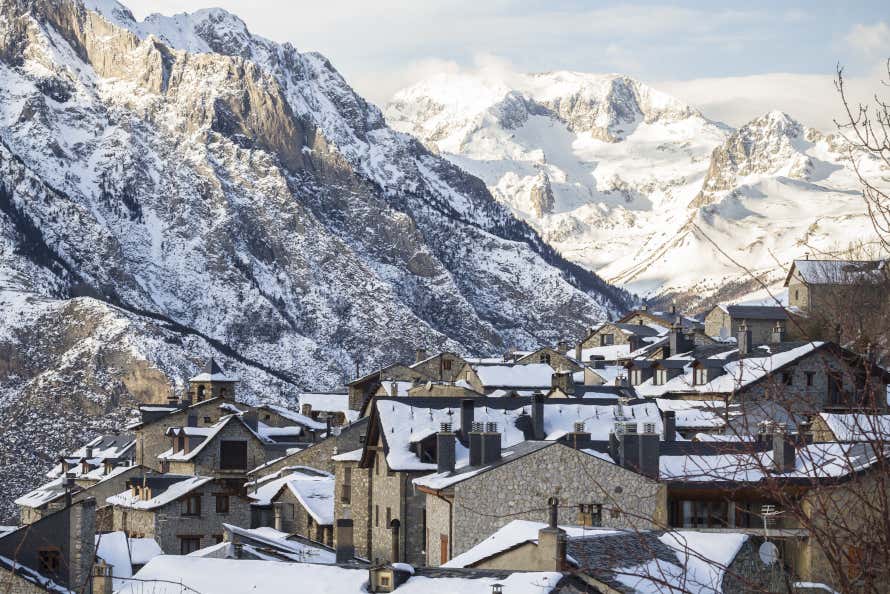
[{"x": 165, "y": 198}]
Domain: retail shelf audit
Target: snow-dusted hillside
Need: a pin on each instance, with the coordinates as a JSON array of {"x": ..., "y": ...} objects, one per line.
[
  {"x": 630, "y": 182},
  {"x": 178, "y": 187}
]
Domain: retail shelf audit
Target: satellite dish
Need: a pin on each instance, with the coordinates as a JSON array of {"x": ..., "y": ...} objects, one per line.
[{"x": 769, "y": 553}]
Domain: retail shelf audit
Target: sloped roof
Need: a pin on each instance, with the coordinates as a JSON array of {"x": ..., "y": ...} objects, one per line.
[
  {"x": 827, "y": 272},
  {"x": 757, "y": 312},
  {"x": 169, "y": 490},
  {"x": 212, "y": 372}
]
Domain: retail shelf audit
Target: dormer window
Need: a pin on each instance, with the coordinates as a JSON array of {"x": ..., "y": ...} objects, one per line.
[
  {"x": 699, "y": 376},
  {"x": 446, "y": 364},
  {"x": 636, "y": 377},
  {"x": 607, "y": 340}
]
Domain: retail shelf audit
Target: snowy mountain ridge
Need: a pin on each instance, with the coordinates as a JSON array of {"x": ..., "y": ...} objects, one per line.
[
  {"x": 177, "y": 188},
  {"x": 639, "y": 186}
]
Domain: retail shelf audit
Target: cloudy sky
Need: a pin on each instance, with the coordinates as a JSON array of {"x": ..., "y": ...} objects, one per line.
[{"x": 732, "y": 62}]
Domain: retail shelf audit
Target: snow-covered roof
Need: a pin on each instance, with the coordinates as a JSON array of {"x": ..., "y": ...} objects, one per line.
[
  {"x": 331, "y": 402},
  {"x": 54, "y": 490},
  {"x": 351, "y": 456},
  {"x": 268, "y": 544},
  {"x": 294, "y": 416},
  {"x": 405, "y": 422},
  {"x": 32, "y": 576},
  {"x": 694, "y": 413},
  {"x": 173, "y": 492},
  {"x": 531, "y": 375},
  {"x": 612, "y": 352},
  {"x": 313, "y": 488},
  {"x": 237, "y": 576},
  {"x": 514, "y": 533},
  {"x": 443, "y": 480},
  {"x": 737, "y": 373},
  {"x": 123, "y": 553},
  {"x": 104, "y": 447},
  {"x": 212, "y": 372},
  {"x": 816, "y": 272},
  {"x": 858, "y": 427},
  {"x": 209, "y": 433},
  {"x": 814, "y": 461},
  {"x": 689, "y": 561}
]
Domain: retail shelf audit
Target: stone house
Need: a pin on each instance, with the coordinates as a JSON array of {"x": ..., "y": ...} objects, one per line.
[
  {"x": 766, "y": 323},
  {"x": 441, "y": 367},
  {"x": 402, "y": 446},
  {"x": 812, "y": 284},
  {"x": 52, "y": 554},
  {"x": 226, "y": 450},
  {"x": 611, "y": 334},
  {"x": 552, "y": 357},
  {"x": 362, "y": 389},
  {"x": 182, "y": 513},
  {"x": 295, "y": 500},
  {"x": 466, "y": 505}
]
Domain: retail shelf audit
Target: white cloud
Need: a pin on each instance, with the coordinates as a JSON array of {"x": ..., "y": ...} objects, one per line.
[
  {"x": 810, "y": 98},
  {"x": 872, "y": 41}
]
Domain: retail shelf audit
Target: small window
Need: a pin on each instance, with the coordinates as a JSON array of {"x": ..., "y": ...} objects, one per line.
[
  {"x": 636, "y": 377},
  {"x": 388, "y": 516},
  {"x": 346, "y": 487},
  {"x": 49, "y": 561},
  {"x": 233, "y": 455},
  {"x": 615, "y": 513},
  {"x": 446, "y": 364},
  {"x": 590, "y": 515},
  {"x": 810, "y": 378},
  {"x": 787, "y": 378},
  {"x": 376, "y": 516},
  {"x": 384, "y": 580},
  {"x": 267, "y": 417},
  {"x": 222, "y": 504},
  {"x": 191, "y": 505},
  {"x": 545, "y": 358},
  {"x": 700, "y": 376},
  {"x": 660, "y": 377},
  {"x": 607, "y": 339},
  {"x": 208, "y": 421},
  {"x": 218, "y": 538},
  {"x": 796, "y": 294},
  {"x": 189, "y": 544}
]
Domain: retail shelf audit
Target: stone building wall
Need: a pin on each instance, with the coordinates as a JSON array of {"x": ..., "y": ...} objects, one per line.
[
  {"x": 491, "y": 500},
  {"x": 357, "y": 507},
  {"x": 11, "y": 583},
  {"x": 207, "y": 461},
  {"x": 167, "y": 523},
  {"x": 438, "y": 525},
  {"x": 386, "y": 494},
  {"x": 717, "y": 323},
  {"x": 150, "y": 438},
  {"x": 594, "y": 339}
]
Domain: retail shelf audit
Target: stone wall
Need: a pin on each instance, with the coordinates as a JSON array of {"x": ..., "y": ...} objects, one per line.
[
  {"x": 207, "y": 461},
  {"x": 594, "y": 339},
  {"x": 81, "y": 542},
  {"x": 492, "y": 499},
  {"x": 438, "y": 524},
  {"x": 11, "y": 583},
  {"x": 167, "y": 523},
  {"x": 357, "y": 507},
  {"x": 150, "y": 438}
]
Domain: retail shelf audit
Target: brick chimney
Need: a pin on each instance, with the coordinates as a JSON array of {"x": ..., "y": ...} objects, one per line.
[
  {"x": 562, "y": 379},
  {"x": 445, "y": 449},
  {"x": 552, "y": 541},
  {"x": 103, "y": 578},
  {"x": 562, "y": 347},
  {"x": 345, "y": 548},
  {"x": 538, "y": 416}
]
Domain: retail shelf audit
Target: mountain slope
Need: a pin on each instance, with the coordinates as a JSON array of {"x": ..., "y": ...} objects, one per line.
[
  {"x": 178, "y": 187},
  {"x": 638, "y": 186}
]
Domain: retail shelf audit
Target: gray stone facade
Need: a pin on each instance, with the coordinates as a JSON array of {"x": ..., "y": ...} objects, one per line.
[
  {"x": 168, "y": 524},
  {"x": 519, "y": 490}
]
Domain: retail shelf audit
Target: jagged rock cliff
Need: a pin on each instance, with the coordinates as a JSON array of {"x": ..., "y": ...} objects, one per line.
[{"x": 178, "y": 187}]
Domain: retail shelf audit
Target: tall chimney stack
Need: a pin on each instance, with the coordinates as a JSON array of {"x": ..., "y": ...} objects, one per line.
[
  {"x": 445, "y": 449},
  {"x": 466, "y": 418},
  {"x": 491, "y": 444},
  {"x": 345, "y": 548},
  {"x": 552, "y": 541},
  {"x": 784, "y": 453},
  {"x": 669, "y": 420},
  {"x": 744, "y": 338},
  {"x": 538, "y": 415}
]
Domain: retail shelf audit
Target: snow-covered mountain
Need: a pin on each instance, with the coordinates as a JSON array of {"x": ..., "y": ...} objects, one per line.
[
  {"x": 177, "y": 188},
  {"x": 638, "y": 186}
]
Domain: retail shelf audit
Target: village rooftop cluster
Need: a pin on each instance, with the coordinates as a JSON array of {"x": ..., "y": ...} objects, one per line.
[{"x": 643, "y": 456}]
